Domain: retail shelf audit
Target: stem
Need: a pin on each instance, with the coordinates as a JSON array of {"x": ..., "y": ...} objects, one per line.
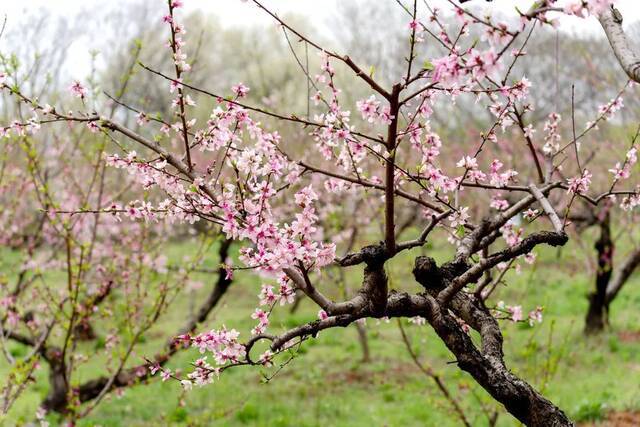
[
  {"x": 183, "y": 120},
  {"x": 392, "y": 136}
]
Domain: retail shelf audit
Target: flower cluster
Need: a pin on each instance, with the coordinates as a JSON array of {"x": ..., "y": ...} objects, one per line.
[
  {"x": 373, "y": 112},
  {"x": 223, "y": 344},
  {"x": 580, "y": 184},
  {"x": 516, "y": 313},
  {"x": 623, "y": 171},
  {"x": 584, "y": 8},
  {"x": 552, "y": 138}
]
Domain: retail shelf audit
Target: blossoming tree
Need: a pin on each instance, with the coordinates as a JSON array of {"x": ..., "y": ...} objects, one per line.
[
  {"x": 67, "y": 276},
  {"x": 264, "y": 191}
]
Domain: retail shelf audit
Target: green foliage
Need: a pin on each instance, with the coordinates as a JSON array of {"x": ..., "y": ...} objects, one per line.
[
  {"x": 590, "y": 411},
  {"x": 325, "y": 384}
]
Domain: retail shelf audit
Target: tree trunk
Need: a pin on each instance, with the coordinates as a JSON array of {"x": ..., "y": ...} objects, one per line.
[
  {"x": 518, "y": 397},
  {"x": 364, "y": 342},
  {"x": 58, "y": 395},
  {"x": 486, "y": 366},
  {"x": 597, "y": 315}
]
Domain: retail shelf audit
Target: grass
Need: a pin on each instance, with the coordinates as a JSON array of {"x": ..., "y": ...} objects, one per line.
[{"x": 326, "y": 384}]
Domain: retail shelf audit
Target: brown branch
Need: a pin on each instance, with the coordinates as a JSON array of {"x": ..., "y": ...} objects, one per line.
[
  {"x": 292, "y": 118},
  {"x": 390, "y": 169},
  {"x": 421, "y": 240},
  {"x": 524, "y": 247},
  {"x": 183, "y": 119},
  {"x": 622, "y": 274}
]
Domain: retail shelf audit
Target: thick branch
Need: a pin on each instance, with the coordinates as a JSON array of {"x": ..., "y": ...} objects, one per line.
[
  {"x": 622, "y": 274},
  {"x": 524, "y": 247},
  {"x": 486, "y": 367},
  {"x": 518, "y": 397},
  {"x": 611, "y": 21},
  {"x": 548, "y": 209}
]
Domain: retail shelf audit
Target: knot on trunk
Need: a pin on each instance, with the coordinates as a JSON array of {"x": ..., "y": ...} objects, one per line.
[
  {"x": 375, "y": 256},
  {"x": 452, "y": 269},
  {"x": 375, "y": 289},
  {"x": 375, "y": 286},
  {"x": 555, "y": 238},
  {"x": 435, "y": 278},
  {"x": 427, "y": 273}
]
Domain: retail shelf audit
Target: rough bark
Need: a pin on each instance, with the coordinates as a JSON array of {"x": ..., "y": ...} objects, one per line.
[
  {"x": 519, "y": 398},
  {"x": 486, "y": 366}
]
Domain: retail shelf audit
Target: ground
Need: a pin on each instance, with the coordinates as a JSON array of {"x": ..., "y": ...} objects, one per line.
[{"x": 595, "y": 380}]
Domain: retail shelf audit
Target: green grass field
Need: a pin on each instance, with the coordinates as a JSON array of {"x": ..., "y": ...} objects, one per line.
[{"x": 327, "y": 385}]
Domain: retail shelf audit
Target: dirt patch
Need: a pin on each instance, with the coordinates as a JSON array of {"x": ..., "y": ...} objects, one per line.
[
  {"x": 629, "y": 336},
  {"x": 618, "y": 419},
  {"x": 364, "y": 374}
]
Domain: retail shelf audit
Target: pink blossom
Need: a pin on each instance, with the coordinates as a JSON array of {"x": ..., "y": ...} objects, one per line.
[
  {"x": 552, "y": 139},
  {"x": 580, "y": 184},
  {"x": 511, "y": 234},
  {"x": 369, "y": 108},
  {"x": 498, "y": 203},
  {"x": 535, "y": 315},
  {"x": 529, "y": 131},
  {"x": 240, "y": 90},
  {"x": 468, "y": 163},
  {"x": 267, "y": 297},
  {"x": 93, "y": 126},
  {"x": 459, "y": 217},
  {"x": 582, "y": 8},
  {"x": 445, "y": 69},
  {"x": 516, "y": 313},
  {"x": 78, "y": 90},
  {"x": 287, "y": 293}
]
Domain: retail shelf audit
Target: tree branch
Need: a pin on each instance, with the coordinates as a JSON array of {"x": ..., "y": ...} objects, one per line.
[{"x": 611, "y": 21}]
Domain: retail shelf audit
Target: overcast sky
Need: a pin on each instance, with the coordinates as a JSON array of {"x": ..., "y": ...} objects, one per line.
[{"x": 236, "y": 13}]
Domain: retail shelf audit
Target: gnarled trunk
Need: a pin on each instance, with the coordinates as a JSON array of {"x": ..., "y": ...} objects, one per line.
[
  {"x": 518, "y": 397},
  {"x": 486, "y": 366}
]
